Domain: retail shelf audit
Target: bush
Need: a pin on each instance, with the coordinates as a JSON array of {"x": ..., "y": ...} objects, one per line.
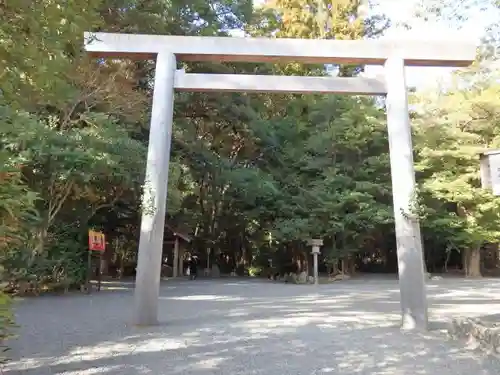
[
  {"x": 59, "y": 267},
  {"x": 6, "y": 324},
  {"x": 255, "y": 271}
]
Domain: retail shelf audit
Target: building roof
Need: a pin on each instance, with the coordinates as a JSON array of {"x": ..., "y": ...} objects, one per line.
[{"x": 179, "y": 234}]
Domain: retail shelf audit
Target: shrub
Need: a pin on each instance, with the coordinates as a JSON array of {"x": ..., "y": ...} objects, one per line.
[{"x": 6, "y": 324}]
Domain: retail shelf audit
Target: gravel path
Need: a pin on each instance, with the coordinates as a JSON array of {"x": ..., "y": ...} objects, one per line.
[{"x": 250, "y": 328}]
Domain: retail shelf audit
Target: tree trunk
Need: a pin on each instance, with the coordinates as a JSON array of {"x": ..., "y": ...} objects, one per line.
[
  {"x": 335, "y": 268},
  {"x": 447, "y": 260},
  {"x": 180, "y": 268},
  {"x": 344, "y": 269},
  {"x": 175, "y": 268},
  {"x": 104, "y": 266},
  {"x": 309, "y": 265},
  {"x": 41, "y": 238},
  {"x": 106, "y": 260},
  {"x": 472, "y": 262},
  {"x": 305, "y": 262},
  {"x": 351, "y": 265},
  {"x": 121, "y": 268},
  {"x": 497, "y": 257},
  {"x": 426, "y": 271}
]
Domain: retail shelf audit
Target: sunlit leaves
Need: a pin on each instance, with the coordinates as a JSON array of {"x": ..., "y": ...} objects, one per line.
[
  {"x": 78, "y": 156},
  {"x": 448, "y": 147}
]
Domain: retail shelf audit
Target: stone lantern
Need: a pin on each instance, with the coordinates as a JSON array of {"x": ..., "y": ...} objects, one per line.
[{"x": 316, "y": 244}]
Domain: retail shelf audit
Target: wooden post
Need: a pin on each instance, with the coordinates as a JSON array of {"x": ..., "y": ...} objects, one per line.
[
  {"x": 99, "y": 273},
  {"x": 207, "y": 271},
  {"x": 176, "y": 257},
  {"x": 89, "y": 271},
  {"x": 181, "y": 262}
]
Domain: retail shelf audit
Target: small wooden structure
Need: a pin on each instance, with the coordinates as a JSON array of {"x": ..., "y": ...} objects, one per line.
[{"x": 177, "y": 269}]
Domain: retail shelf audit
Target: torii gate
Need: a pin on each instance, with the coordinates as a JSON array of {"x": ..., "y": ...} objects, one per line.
[{"x": 167, "y": 50}]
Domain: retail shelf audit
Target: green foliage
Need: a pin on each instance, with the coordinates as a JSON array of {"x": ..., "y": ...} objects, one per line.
[
  {"x": 255, "y": 271},
  {"x": 39, "y": 41},
  {"x": 451, "y": 130},
  {"x": 16, "y": 202},
  {"x": 65, "y": 166},
  {"x": 449, "y": 145},
  {"x": 331, "y": 181},
  {"x": 6, "y": 323},
  {"x": 449, "y": 10},
  {"x": 251, "y": 176},
  {"x": 60, "y": 266}
]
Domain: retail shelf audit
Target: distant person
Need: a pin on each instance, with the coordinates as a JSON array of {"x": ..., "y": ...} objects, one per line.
[{"x": 193, "y": 267}]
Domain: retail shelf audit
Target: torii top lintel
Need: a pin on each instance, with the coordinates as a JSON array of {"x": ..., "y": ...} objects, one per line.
[{"x": 307, "y": 51}]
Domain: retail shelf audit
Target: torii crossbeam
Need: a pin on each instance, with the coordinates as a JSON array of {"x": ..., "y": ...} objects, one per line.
[{"x": 167, "y": 50}]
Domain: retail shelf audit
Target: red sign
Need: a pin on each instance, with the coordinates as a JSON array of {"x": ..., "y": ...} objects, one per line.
[{"x": 97, "y": 241}]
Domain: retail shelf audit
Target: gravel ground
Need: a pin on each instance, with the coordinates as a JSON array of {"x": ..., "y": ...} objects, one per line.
[{"x": 251, "y": 328}]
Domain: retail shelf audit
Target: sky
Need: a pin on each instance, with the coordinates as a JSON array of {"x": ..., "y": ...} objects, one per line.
[
  {"x": 472, "y": 29},
  {"x": 402, "y": 11}
]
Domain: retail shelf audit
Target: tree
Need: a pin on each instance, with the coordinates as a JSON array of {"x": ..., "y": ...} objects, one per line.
[
  {"x": 450, "y": 11},
  {"x": 252, "y": 176},
  {"x": 452, "y": 129},
  {"x": 17, "y": 211},
  {"x": 65, "y": 120}
]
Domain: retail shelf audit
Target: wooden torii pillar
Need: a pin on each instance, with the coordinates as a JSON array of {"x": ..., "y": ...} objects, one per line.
[{"x": 394, "y": 55}]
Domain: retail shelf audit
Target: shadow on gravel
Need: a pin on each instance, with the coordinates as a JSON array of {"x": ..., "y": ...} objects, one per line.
[{"x": 239, "y": 328}]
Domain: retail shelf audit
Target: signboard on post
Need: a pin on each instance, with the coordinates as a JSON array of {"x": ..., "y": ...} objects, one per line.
[
  {"x": 97, "y": 245},
  {"x": 97, "y": 241},
  {"x": 490, "y": 170}
]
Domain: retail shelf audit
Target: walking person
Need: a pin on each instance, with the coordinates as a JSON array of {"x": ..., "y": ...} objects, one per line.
[{"x": 193, "y": 267}]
